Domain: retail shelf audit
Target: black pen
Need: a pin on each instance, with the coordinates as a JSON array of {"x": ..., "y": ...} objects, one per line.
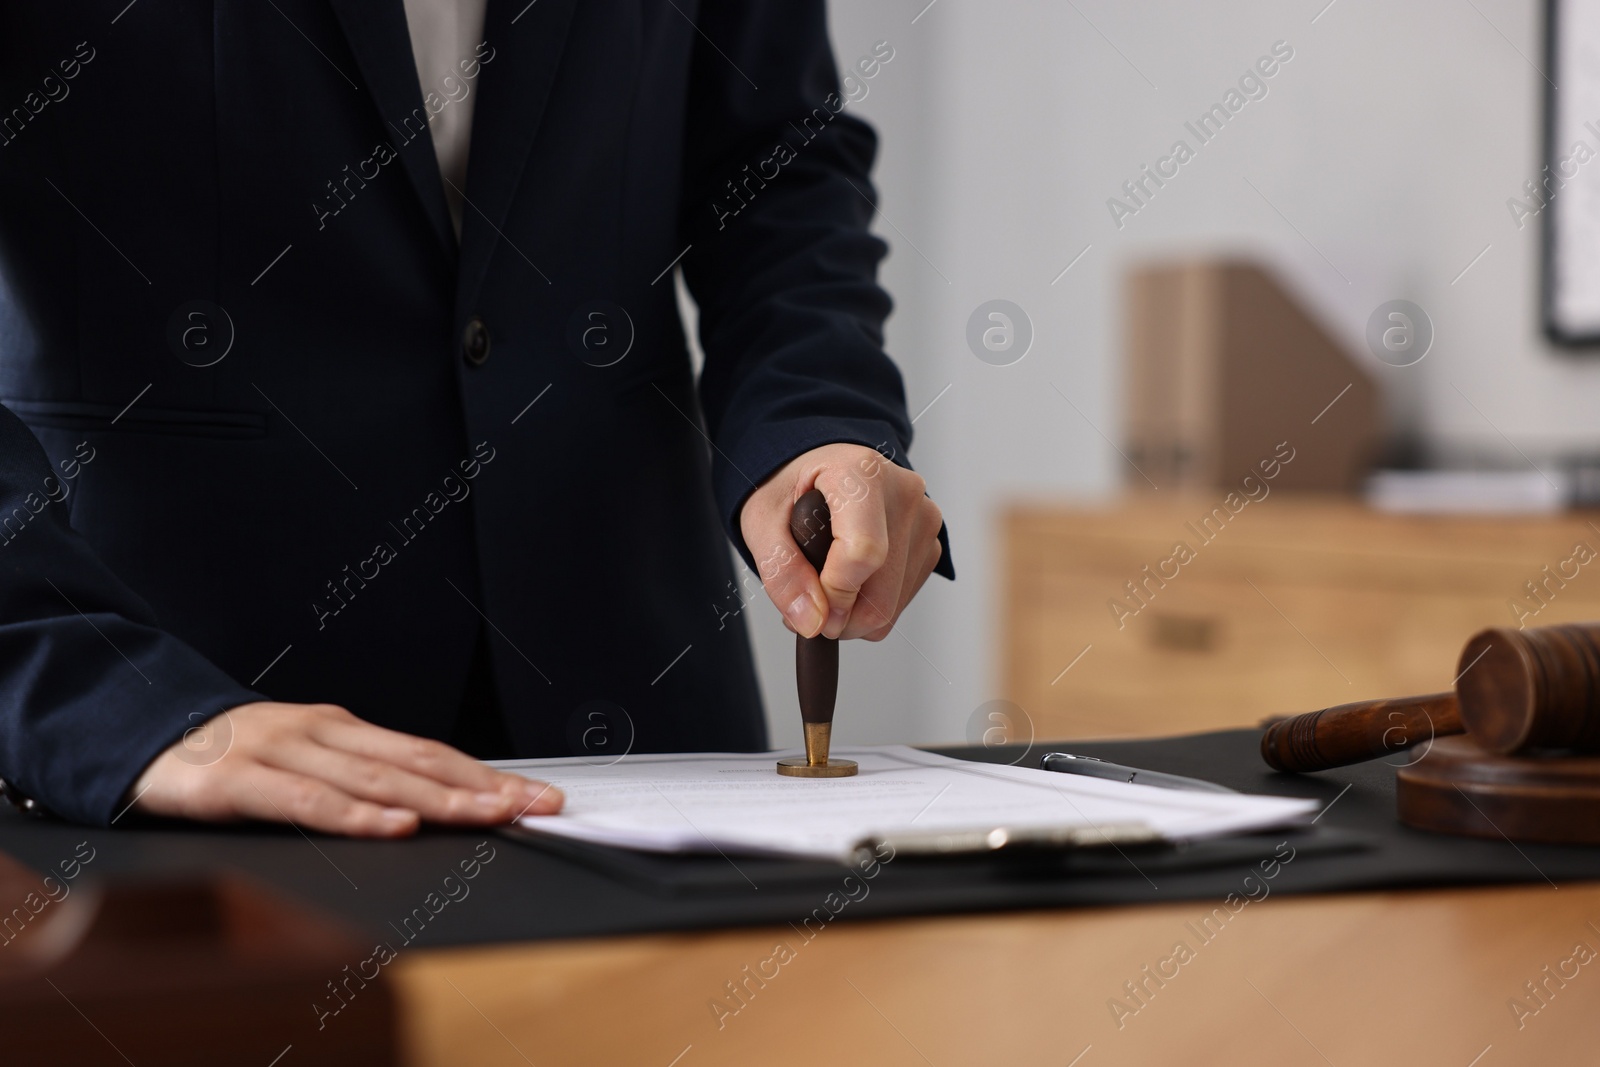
[{"x": 1067, "y": 763}]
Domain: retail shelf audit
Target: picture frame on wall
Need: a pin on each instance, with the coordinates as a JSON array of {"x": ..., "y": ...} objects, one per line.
[{"x": 1566, "y": 192}]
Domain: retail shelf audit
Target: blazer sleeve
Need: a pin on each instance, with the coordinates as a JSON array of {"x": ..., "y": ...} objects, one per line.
[
  {"x": 91, "y": 689},
  {"x": 777, "y": 200}
]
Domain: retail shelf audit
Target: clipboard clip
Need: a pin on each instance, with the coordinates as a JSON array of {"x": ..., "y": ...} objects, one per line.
[{"x": 1005, "y": 839}]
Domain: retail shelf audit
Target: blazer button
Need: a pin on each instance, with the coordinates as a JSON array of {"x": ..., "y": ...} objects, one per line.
[{"x": 475, "y": 342}]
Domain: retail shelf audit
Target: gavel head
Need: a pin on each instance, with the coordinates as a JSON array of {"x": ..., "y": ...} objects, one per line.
[{"x": 1532, "y": 689}]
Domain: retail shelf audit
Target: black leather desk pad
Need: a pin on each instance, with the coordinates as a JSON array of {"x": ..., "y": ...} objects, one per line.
[{"x": 529, "y": 891}]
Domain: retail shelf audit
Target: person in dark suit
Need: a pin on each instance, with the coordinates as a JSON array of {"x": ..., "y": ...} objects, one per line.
[{"x": 348, "y": 419}]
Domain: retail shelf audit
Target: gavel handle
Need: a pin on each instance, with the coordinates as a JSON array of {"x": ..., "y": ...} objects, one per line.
[{"x": 1353, "y": 733}]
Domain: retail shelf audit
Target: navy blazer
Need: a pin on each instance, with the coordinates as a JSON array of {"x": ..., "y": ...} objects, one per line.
[{"x": 296, "y": 445}]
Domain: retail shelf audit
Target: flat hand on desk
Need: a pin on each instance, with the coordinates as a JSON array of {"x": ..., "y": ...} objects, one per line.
[
  {"x": 320, "y": 767},
  {"x": 885, "y": 542}
]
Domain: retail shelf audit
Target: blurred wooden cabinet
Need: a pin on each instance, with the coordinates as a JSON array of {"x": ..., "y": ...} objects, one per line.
[{"x": 1111, "y": 628}]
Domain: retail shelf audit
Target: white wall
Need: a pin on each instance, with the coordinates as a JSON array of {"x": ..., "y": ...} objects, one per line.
[{"x": 1391, "y": 142}]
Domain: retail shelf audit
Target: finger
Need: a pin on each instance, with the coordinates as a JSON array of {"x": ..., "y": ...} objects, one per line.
[
  {"x": 915, "y": 578},
  {"x": 876, "y": 614},
  {"x": 281, "y": 796},
  {"x": 786, "y": 576},
  {"x": 861, "y": 546},
  {"x": 876, "y": 610},
  {"x": 917, "y": 574},
  {"x": 393, "y": 787},
  {"x": 931, "y": 560},
  {"x": 433, "y": 759}
]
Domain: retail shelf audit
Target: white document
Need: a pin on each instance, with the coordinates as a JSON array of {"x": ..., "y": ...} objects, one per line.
[{"x": 738, "y": 803}]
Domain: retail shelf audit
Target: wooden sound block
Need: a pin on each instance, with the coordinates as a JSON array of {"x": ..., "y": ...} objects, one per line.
[
  {"x": 1458, "y": 788},
  {"x": 187, "y": 971}
]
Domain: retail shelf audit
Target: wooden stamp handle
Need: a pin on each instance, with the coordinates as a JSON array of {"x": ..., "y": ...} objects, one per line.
[
  {"x": 1352, "y": 733},
  {"x": 816, "y": 659}
]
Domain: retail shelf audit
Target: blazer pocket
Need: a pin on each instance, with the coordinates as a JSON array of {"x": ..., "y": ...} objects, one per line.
[{"x": 170, "y": 422}]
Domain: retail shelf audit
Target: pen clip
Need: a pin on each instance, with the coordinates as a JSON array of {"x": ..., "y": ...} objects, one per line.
[
  {"x": 1044, "y": 761},
  {"x": 1006, "y": 838}
]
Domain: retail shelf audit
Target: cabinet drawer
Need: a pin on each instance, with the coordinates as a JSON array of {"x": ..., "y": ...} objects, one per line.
[{"x": 1245, "y": 631}]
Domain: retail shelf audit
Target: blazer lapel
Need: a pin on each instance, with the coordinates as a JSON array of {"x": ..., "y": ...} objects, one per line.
[
  {"x": 528, "y": 39},
  {"x": 376, "y": 30}
]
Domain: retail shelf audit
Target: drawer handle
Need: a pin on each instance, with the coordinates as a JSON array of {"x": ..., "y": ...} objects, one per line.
[{"x": 1184, "y": 633}]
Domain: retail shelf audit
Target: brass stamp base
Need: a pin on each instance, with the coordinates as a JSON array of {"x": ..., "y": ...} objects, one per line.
[
  {"x": 815, "y": 763},
  {"x": 797, "y": 767}
]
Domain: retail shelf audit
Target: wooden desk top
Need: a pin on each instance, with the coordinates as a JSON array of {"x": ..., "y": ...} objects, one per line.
[{"x": 1407, "y": 978}]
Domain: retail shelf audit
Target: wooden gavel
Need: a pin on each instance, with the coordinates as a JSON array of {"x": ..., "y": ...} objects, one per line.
[{"x": 1515, "y": 691}]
